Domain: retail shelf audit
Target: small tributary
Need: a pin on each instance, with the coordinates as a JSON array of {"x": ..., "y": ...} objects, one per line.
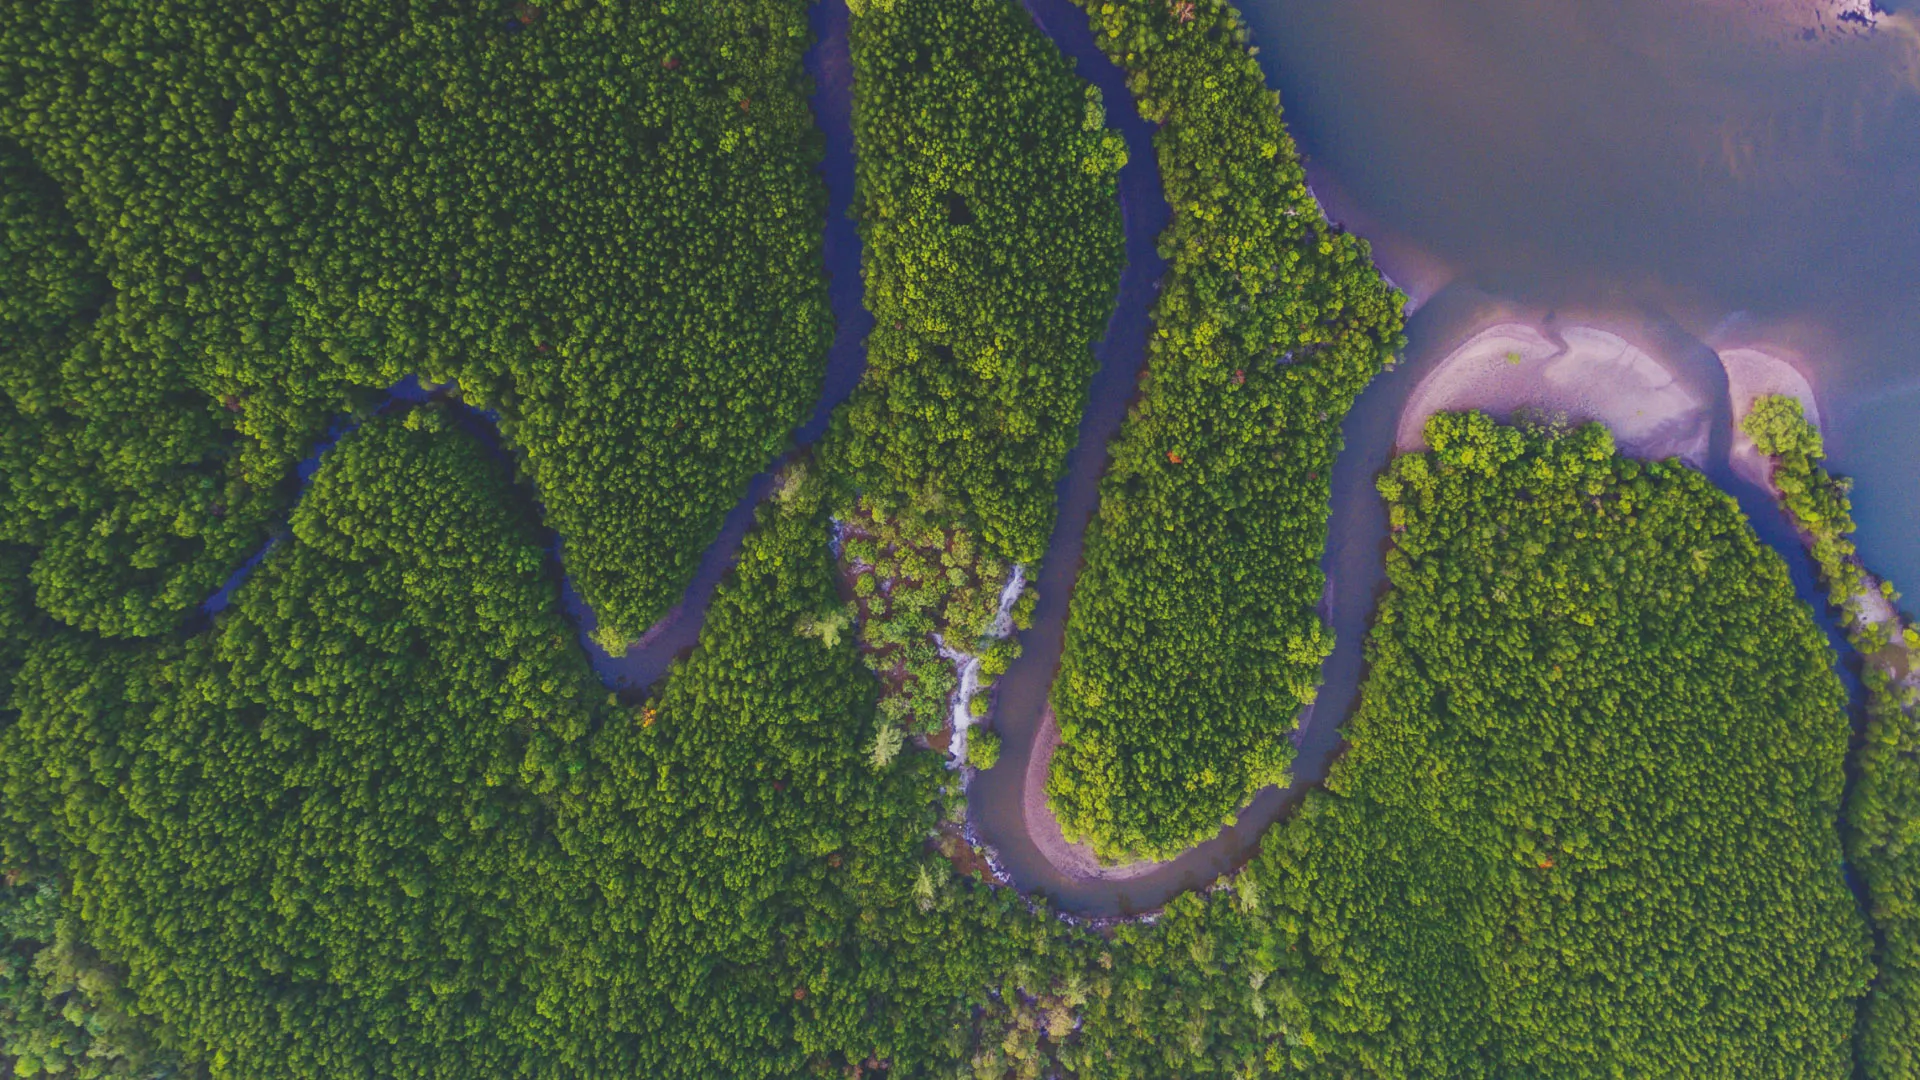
[
  {"x": 676, "y": 632},
  {"x": 831, "y": 65}
]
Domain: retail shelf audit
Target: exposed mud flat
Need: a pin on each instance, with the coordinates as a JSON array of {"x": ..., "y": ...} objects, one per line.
[
  {"x": 1516, "y": 371},
  {"x": 1751, "y": 375}
]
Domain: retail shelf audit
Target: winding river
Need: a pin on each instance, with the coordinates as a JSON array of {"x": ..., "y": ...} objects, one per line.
[{"x": 1000, "y": 800}]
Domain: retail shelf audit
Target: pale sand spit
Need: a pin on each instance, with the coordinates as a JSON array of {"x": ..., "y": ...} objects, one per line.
[
  {"x": 1076, "y": 860},
  {"x": 1753, "y": 374},
  {"x": 1516, "y": 371}
]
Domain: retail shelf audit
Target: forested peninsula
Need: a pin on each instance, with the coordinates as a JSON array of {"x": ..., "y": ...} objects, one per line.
[
  {"x": 986, "y": 203},
  {"x": 1193, "y": 639}
]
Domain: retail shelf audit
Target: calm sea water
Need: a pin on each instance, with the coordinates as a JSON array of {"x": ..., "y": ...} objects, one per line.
[{"x": 1744, "y": 167}]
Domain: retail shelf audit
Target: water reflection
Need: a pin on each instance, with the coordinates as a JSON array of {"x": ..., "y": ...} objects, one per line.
[{"x": 1696, "y": 159}]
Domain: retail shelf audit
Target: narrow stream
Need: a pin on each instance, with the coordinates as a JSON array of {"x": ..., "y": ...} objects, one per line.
[
  {"x": 1355, "y": 567},
  {"x": 831, "y": 65},
  {"x": 1355, "y": 560},
  {"x": 406, "y": 393},
  {"x": 996, "y": 798}
]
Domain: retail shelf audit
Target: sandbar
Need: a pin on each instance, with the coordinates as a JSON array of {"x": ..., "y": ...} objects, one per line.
[
  {"x": 1073, "y": 860},
  {"x": 1753, "y": 374},
  {"x": 1514, "y": 370}
]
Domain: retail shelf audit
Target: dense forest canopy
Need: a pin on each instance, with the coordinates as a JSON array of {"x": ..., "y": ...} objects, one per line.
[
  {"x": 1585, "y": 826},
  {"x": 381, "y": 821},
  {"x": 603, "y": 220},
  {"x": 123, "y": 502},
  {"x": 1193, "y": 639},
  {"x": 289, "y": 829},
  {"x": 986, "y": 184},
  {"x": 63, "y": 1010}
]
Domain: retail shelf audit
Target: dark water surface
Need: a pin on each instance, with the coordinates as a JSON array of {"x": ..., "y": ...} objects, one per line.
[
  {"x": 1697, "y": 156},
  {"x": 995, "y": 799}
]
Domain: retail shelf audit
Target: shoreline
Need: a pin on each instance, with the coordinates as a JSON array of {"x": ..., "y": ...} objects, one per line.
[
  {"x": 1652, "y": 383},
  {"x": 1754, "y": 373},
  {"x": 1417, "y": 273},
  {"x": 1515, "y": 370}
]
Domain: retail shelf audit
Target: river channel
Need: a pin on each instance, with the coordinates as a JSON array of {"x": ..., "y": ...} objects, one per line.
[
  {"x": 1354, "y": 563},
  {"x": 1436, "y": 232}
]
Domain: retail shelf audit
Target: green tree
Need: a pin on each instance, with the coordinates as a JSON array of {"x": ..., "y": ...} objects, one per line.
[
  {"x": 983, "y": 749},
  {"x": 1193, "y": 639},
  {"x": 986, "y": 202},
  {"x": 605, "y": 227},
  {"x": 63, "y": 1013}
]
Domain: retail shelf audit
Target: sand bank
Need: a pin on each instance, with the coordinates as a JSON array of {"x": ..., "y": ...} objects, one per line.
[
  {"x": 1514, "y": 370},
  {"x": 1073, "y": 860},
  {"x": 1751, "y": 375}
]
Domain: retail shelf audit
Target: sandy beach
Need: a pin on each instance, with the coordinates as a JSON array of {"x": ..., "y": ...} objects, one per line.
[
  {"x": 1753, "y": 374},
  {"x": 1573, "y": 375},
  {"x": 1075, "y": 860}
]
